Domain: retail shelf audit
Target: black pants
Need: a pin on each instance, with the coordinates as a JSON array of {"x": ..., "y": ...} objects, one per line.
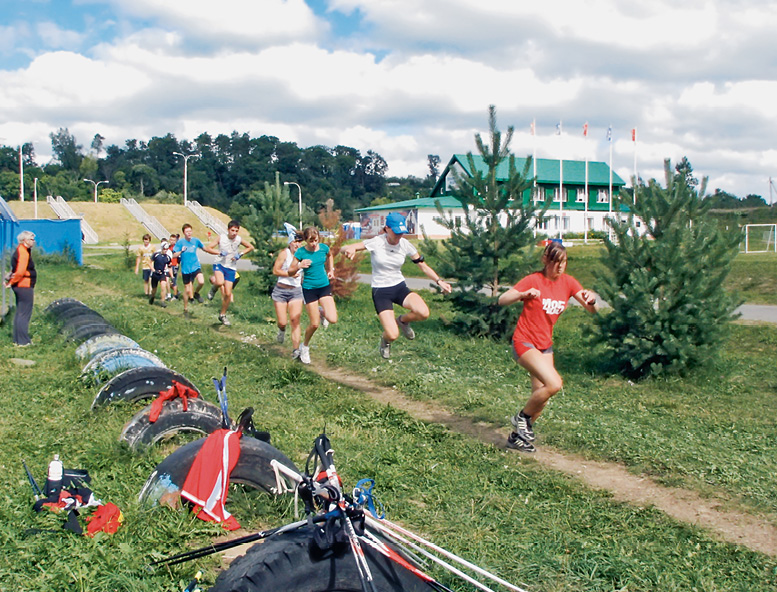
[{"x": 21, "y": 320}]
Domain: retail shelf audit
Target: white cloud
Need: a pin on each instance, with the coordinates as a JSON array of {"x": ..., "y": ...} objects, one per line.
[{"x": 54, "y": 37}]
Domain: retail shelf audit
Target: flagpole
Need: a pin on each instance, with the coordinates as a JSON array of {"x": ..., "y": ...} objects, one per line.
[
  {"x": 585, "y": 207},
  {"x": 534, "y": 164},
  {"x": 560, "y": 191},
  {"x": 634, "y": 139},
  {"x": 609, "y": 198}
]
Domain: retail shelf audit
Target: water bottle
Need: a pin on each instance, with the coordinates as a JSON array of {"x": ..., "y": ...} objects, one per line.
[{"x": 54, "y": 479}]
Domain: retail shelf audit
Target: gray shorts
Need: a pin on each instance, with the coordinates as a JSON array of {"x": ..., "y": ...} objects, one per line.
[{"x": 281, "y": 294}]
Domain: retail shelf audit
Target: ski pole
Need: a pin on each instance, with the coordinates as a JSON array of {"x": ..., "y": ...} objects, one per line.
[{"x": 36, "y": 491}]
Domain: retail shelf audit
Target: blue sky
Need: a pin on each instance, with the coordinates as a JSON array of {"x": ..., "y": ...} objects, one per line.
[{"x": 406, "y": 78}]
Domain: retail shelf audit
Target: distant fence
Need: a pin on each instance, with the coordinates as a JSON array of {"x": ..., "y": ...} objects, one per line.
[
  {"x": 65, "y": 212},
  {"x": 153, "y": 225},
  {"x": 207, "y": 219}
]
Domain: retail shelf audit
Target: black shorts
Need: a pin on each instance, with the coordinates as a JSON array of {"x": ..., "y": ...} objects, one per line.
[
  {"x": 315, "y": 294},
  {"x": 156, "y": 278},
  {"x": 188, "y": 278},
  {"x": 385, "y": 298},
  {"x": 146, "y": 275}
]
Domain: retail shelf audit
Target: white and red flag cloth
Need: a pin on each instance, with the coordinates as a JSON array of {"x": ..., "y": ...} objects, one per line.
[
  {"x": 585, "y": 129},
  {"x": 207, "y": 483},
  {"x": 634, "y": 134}
]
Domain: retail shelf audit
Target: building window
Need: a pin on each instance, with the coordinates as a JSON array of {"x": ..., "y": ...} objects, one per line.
[
  {"x": 565, "y": 222},
  {"x": 580, "y": 196},
  {"x": 457, "y": 221},
  {"x": 602, "y": 197},
  {"x": 537, "y": 194},
  {"x": 556, "y": 195},
  {"x": 591, "y": 225}
]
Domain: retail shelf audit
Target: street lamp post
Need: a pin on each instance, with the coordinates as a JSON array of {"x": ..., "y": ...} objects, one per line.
[
  {"x": 96, "y": 184},
  {"x": 299, "y": 189},
  {"x": 35, "y": 196},
  {"x": 186, "y": 158}
]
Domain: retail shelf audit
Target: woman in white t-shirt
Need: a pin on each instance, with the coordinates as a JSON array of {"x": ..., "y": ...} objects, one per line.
[{"x": 388, "y": 252}]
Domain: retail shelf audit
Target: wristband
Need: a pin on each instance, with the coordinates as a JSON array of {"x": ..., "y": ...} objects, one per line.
[{"x": 237, "y": 256}]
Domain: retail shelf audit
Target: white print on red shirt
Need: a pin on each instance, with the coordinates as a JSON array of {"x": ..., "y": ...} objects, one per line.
[{"x": 553, "y": 307}]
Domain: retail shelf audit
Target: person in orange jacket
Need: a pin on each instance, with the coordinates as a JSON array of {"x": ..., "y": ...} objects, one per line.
[{"x": 22, "y": 282}]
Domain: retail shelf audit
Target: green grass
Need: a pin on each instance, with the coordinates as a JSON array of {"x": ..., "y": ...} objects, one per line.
[{"x": 535, "y": 527}]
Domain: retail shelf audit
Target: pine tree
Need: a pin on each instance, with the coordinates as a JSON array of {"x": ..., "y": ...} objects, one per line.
[
  {"x": 269, "y": 208},
  {"x": 488, "y": 250},
  {"x": 669, "y": 310}
]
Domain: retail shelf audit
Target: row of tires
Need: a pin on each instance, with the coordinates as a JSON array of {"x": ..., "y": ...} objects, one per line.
[{"x": 128, "y": 374}]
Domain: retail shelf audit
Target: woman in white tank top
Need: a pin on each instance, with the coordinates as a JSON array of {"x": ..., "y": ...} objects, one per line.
[{"x": 287, "y": 295}]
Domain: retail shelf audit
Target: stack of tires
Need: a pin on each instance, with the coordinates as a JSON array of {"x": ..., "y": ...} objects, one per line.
[{"x": 127, "y": 373}]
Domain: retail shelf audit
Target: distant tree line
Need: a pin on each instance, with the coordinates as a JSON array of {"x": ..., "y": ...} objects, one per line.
[{"x": 226, "y": 171}]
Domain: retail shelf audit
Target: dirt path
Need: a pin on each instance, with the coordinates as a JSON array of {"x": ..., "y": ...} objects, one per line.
[{"x": 684, "y": 505}]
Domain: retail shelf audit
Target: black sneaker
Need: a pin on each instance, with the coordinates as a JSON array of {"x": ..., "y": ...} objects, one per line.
[
  {"x": 522, "y": 425},
  {"x": 515, "y": 442},
  {"x": 199, "y": 298},
  {"x": 385, "y": 348},
  {"x": 151, "y": 299}
]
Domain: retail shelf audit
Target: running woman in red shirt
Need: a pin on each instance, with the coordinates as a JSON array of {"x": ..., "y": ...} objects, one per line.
[{"x": 544, "y": 295}]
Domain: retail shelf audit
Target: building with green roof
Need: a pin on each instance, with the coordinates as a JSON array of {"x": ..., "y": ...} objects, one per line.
[{"x": 580, "y": 200}]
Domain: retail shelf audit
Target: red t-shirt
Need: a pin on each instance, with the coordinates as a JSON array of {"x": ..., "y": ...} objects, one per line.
[{"x": 535, "y": 325}]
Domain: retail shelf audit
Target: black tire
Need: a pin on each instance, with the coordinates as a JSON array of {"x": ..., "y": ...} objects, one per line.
[
  {"x": 62, "y": 304},
  {"x": 138, "y": 384},
  {"x": 115, "y": 361},
  {"x": 290, "y": 562},
  {"x": 252, "y": 469},
  {"x": 70, "y": 315},
  {"x": 201, "y": 417},
  {"x": 102, "y": 343},
  {"x": 85, "y": 332}
]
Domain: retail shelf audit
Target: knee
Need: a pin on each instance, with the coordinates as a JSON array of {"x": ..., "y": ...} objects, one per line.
[
  {"x": 332, "y": 319},
  {"x": 555, "y": 386},
  {"x": 391, "y": 334}
]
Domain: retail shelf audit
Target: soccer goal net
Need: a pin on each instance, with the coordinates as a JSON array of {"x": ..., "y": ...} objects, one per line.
[{"x": 760, "y": 238}]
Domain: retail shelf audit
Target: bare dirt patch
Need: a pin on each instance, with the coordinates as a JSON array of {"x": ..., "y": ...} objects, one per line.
[{"x": 682, "y": 504}]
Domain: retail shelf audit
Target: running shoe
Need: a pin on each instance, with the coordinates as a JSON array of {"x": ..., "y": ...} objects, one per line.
[
  {"x": 211, "y": 293},
  {"x": 522, "y": 425},
  {"x": 324, "y": 322},
  {"x": 198, "y": 298},
  {"x": 304, "y": 354},
  {"x": 163, "y": 304},
  {"x": 280, "y": 336},
  {"x": 295, "y": 354},
  {"x": 385, "y": 348},
  {"x": 151, "y": 299},
  {"x": 406, "y": 329},
  {"x": 515, "y": 442},
  {"x": 224, "y": 320}
]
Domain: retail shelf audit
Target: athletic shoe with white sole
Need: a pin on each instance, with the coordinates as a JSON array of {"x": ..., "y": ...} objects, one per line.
[
  {"x": 385, "y": 348},
  {"x": 280, "y": 336},
  {"x": 304, "y": 354},
  {"x": 522, "y": 425},
  {"x": 212, "y": 293},
  {"x": 406, "y": 329},
  {"x": 515, "y": 442},
  {"x": 295, "y": 354},
  {"x": 324, "y": 322},
  {"x": 224, "y": 320}
]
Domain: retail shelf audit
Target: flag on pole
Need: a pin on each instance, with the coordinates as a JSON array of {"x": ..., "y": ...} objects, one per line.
[
  {"x": 609, "y": 134},
  {"x": 558, "y": 128},
  {"x": 634, "y": 134},
  {"x": 532, "y": 127},
  {"x": 585, "y": 129}
]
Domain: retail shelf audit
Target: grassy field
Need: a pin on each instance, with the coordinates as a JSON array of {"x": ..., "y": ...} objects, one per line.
[{"x": 713, "y": 432}]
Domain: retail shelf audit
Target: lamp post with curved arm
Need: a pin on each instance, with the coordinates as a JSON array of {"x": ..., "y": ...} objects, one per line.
[
  {"x": 186, "y": 158},
  {"x": 299, "y": 189},
  {"x": 96, "y": 184}
]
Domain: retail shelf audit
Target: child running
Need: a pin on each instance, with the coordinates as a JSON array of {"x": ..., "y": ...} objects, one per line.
[
  {"x": 225, "y": 267},
  {"x": 144, "y": 258},
  {"x": 388, "y": 252},
  {"x": 316, "y": 259},
  {"x": 160, "y": 262},
  {"x": 544, "y": 295}
]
